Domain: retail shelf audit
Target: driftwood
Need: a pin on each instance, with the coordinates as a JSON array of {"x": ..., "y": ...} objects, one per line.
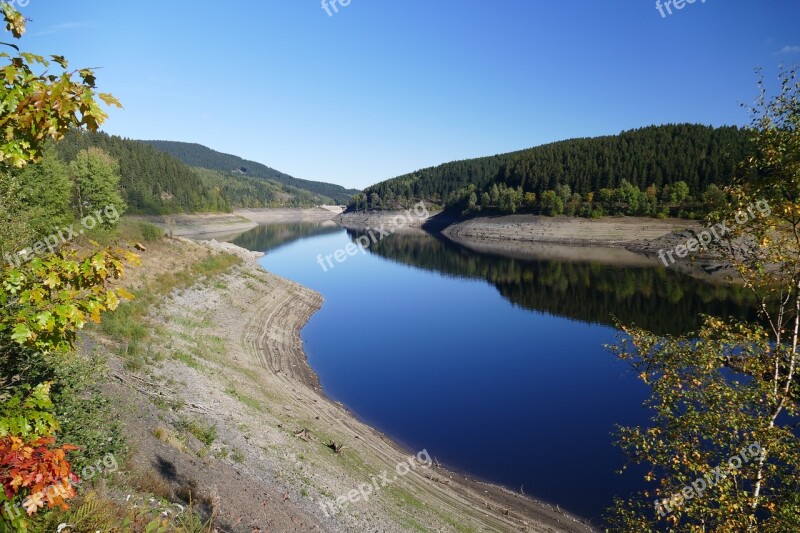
[
  {"x": 303, "y": 434},
  {"x": 136, "y": 388},
  {"x": 197, "y": 407},
  {"x": 437, "y": 479}
]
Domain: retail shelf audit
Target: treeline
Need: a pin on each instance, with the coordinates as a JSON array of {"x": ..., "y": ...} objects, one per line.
[
  {"x": 672, "y": 170},
  {"x": 197, "y": 155}
]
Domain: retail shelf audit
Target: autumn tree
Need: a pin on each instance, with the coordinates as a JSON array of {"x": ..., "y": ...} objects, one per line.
[
  {"x": 46, "y": 301},
  {"x": 723, "y": 453}
]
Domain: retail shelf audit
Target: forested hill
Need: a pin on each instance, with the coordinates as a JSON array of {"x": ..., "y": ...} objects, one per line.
[
  {"x": 154, "y": 182},
  {"x": 652, "y": 170},
  {"x": 197, "y": 155},
  {"x": 151, "y": 182}
]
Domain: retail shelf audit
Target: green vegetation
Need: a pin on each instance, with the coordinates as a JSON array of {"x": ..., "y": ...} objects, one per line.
[
  {"x": 203, "y": 432},
  {"x": 149, "y": 232},
  {"x": 723, "y": 452},
  {"x": 244, "y": 191},
  {"x": 244, "y": 399},
  {"x": 46, "y": 199},
  {"x": 152, "y": 182},
  {"x": 196, "y": 155},
  {"x": 128, "y": 325},
  {"x": 155, "y": 181},
  {"x": 673, "y": 170},
  {"x": 95, "y": 178},
  {"x": 97, "y": 512},
  {"x": 47, "y": 393}
]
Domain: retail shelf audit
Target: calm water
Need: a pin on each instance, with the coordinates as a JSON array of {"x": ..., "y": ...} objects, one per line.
[{"x": 496, "y": 366}]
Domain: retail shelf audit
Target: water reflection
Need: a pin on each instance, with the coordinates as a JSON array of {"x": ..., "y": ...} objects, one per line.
[
  {"x": 271, "y": 237},
  {"x": 656, "y": 298}
]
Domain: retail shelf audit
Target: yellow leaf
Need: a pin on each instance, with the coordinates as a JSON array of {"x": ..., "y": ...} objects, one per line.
[{"x": 110, "y": 100}]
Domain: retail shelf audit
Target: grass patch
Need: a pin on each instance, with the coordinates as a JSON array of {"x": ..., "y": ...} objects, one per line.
[
  {"x": 187, "y": 360},
  {"x": 205, "y": 433},
  {"x": 128, "y": 324},
  {"x": 101, "y": 512},
  {"x": 244, "y": 399},
  {"x": 126, "y": 231}
]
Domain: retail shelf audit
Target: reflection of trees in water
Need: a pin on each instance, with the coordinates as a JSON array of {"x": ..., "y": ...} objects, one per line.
[
  {"x": 266, "y": 238},
  {"x": 658, "y": 299}
]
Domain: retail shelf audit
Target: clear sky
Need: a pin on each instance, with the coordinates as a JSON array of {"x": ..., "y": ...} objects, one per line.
[{"x": 385, "y": 87}]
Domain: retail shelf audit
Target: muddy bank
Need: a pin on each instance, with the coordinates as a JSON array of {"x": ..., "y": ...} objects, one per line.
[
  {"x": 225, "y": 226},
  {"x": 612, "y": 231},
  {"x": 230, "y": 356},
  {"x": 218, "y": 225},
  {"x": 414, "y": 218},
  {"x": 621, "y": 241},
  {"x": 284, "y": 216}
]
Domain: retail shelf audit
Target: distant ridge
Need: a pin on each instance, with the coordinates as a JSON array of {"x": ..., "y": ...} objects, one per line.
[{"x": 197, "y": 155}]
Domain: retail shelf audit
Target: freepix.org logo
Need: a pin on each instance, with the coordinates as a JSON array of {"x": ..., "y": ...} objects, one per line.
[
  {"x": 331, "y": 7},
  {"x": 18, "y": 3},
  {"x": 666, "y": 8}
]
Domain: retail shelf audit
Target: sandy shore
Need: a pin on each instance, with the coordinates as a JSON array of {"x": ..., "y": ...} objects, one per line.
[{"x": 233, "y": 357}]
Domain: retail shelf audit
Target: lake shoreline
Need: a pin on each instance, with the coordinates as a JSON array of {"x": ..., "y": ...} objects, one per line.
[
  {"x": 619, "y": 241},
  {"x": 257, "y": 318},
  {"x": 219, "y": 226}
]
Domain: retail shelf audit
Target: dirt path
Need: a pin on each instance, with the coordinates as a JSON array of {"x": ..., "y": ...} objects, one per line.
[{"x": 231, "y": 357}]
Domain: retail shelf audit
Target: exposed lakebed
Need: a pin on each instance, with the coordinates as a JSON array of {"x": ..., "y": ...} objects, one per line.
[{"x": 495, "y": 365}]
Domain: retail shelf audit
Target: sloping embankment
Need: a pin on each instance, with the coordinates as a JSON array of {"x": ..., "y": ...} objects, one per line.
[{"x": 231, "y": 357}]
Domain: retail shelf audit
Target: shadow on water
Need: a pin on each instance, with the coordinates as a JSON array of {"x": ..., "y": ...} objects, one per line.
[{"x": 658, "y": 299}]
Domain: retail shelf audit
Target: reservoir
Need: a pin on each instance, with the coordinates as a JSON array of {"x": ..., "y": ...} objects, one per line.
[{"x": 495, "y": 365}]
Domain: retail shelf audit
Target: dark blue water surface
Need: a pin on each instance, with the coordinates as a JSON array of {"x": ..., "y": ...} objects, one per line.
[{"x": 496, "y": 366}]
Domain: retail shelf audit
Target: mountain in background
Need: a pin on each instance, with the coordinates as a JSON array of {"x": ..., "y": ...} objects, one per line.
[
  {"x": 197, "y": 155},
  {"x": 152, "y": 183},
  {"x": 636, "y": 172},
  {"x": 156, "y": 183}
]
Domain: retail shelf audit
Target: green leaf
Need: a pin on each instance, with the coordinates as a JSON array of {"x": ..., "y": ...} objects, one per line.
[{"x": 22, "y": 334}]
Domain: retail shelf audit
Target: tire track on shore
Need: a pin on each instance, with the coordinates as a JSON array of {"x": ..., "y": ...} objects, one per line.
[{"x": 271, "y": 337}]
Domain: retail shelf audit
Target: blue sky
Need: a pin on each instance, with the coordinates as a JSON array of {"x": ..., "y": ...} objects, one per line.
[{"x": 384, "y": 87}]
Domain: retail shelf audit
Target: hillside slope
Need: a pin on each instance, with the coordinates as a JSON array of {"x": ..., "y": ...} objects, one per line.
[
  {"x": 197, "y": 155},
  {"x": 655, "y": 157},
  {"x": 151, "y": 182}
]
